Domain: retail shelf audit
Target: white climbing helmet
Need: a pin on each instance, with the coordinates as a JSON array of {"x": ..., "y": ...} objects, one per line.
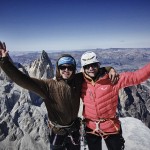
[{"x": 88, "y": 57}]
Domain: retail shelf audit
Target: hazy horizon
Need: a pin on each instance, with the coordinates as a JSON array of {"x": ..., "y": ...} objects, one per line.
[{"x": 49, "y": 51}]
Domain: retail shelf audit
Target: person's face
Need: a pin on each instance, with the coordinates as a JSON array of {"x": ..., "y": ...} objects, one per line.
[
  {"x": 91, "y": 70},
  {"x": 66, "y": 71}
]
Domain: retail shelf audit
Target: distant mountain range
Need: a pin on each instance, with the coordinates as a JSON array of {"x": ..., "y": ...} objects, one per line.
[{"x": 123, "y": 59}]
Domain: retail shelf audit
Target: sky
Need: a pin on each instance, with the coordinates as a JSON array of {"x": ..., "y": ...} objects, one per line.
[{"x": 35, "y": 25}]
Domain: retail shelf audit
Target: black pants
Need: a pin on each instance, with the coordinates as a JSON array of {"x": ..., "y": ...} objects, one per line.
[
  {"x": 113, "y": 142},
  {"x": 70, "y": 140}
]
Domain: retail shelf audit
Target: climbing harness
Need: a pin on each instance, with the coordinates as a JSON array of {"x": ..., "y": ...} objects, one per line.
[
  {"x": 99, "y": 132},
  {"x": 66, "y": 131}
]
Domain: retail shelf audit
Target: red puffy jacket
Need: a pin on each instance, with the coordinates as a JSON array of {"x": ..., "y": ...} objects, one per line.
[{"x": 101, "y": 99}]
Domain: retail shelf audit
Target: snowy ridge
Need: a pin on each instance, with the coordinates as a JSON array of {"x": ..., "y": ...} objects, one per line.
[{"x": 136, "y": 134}]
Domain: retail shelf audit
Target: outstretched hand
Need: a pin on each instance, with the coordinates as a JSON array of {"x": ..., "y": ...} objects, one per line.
[
  {"x": 3, "y": 51},
  {"x": 113, "y": 76}
]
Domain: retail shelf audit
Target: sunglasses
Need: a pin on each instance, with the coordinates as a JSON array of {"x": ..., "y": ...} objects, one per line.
[
  {"x": 94, "y": 65},
  {"x": 70, "y": 68}
]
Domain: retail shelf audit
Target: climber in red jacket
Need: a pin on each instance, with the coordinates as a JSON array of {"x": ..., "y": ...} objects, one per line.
[{"x": 100, "y": 99}]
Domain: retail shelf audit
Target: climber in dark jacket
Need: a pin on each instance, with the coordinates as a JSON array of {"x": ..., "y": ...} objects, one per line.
[{"x": 61, "y": 96}]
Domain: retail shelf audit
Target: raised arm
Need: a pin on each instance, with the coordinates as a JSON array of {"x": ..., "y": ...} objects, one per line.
[
  {"x": 133, "y": 78},
  {"x": 32, "y": 84}
]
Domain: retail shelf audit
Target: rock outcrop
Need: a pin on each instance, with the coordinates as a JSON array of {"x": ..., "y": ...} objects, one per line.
[{"x": 23, "y": 116}]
